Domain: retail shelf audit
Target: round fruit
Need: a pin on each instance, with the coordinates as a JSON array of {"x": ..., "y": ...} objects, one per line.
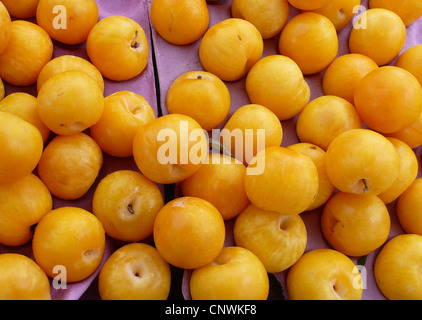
[
  {"x": 380, "y": 101},
  {"x": 189, "y": 232},
  {"x": 5, "y": 21},
  {"x": 408, "y": 206},
  {"x": 70, "y": 165},
  {"x": 69, "y": 62},
  {"x": 344, "y": 73},
  {"x": 118, "y": 47},
  {"x": 411, "y": 61},
  {"x": 230, "y": 48},
  {"x": 22, "y": 279},
  {"x": 135, "y": 271},
  {"x": 58, "y": 241},
  {"x": 408, "y": 10},
  {"x": 325, "y": 187},
  {"x": 268, "y": 16},
  {"x": 362, "y": 161},
  {"x": 221, "y": 182},
  {"x": 310, "y": 39},
  {"x": 324, "y": 274},
  {"x": 277, "y": 240},
  {"x": 308, "y": 5},
  {"x": 124, "y": 113},
  {"x": 21, "y": 148},
  {"x": 277, "y": 83},
  {"x": 324, "y": 118},
  {"x": 170, "y": 148},
  {"x": 411, "y": 135},
  {"x": 24, "y": 106},
  {"x": 180, "y": 22},
  {"x": 70, "y": 102},
  {"x": 127, "y": 203},
  {"x": 200, "y": 95},
  {"x": 67, "y": 21},
  {"x": 340, "y": 12},
  {"x": 23, "y": 9},
  {"x": 355, "y": 225},
  {"x": 397, "y": 268},
  {"x": 22, "y": 205},
  {"x": 381, "y": 38},
  {"x": 408, "y": 171},
  {"x": 288, "y": 184},
  {"x": 250, "y": 129},
  {"x": 28, "y": 50},
  {"x": 236, "y": 274}
]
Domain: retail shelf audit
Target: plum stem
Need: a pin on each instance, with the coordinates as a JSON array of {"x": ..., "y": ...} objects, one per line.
[{"x": 365, "y": 186}]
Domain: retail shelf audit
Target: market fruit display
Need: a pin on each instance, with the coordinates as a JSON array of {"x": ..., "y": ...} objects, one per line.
[{"x": 198, "y": 150}]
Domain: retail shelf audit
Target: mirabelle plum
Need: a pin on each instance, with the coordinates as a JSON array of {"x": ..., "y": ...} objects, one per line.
[
  {"x": 325, "y": 187},
  {"x": 310, "y": 39},
  {"x": 246, "y": 127},
  {"x": 58, "y": 241},
  {"x": 135, "y": 271},
  {"x": 70, "y": 102},
  {"x": 221, "y": 182},
  {"x": 118, "y": 47},
  {"x": 411, "y": 60},
  {"x": 408, "y": 10},
  {"x": 288, "y": 184},
  {"x": 24, "y": 106},
  {"x": 235, "y": 274},
  {"x": 23, "y": 204},
  {"x": 67, "y": 21},
  {"x": 340, "y": 12},
  {"x": 324, "y": 118},
  {"x": 344, "y": 73},
  {"x": 324, "y": 274},
  {"x": 408, "y": 206},
  {"x": 127, "y": 203},
  {"x": 28, "y": 50},
  {"x": 70, "y": 165},
  {"x": 230, "y": 48},
  {"x": 277, "y": 83},
  {"x": 355, "y": 225},
  {"x": 23, "y": 9},
  {"x": 189, "y": 232},
  {"x": 268, "y": 16},
  {"x": 180, "y": 22},
  {"x": 5, "y": 21},
  {"x": 124, "y": 113},
  {"x": 397, "y": 268},
  {"x": 69, "y": 62},
  {"x": 278, "y": 240},
  {"x": 200, "y": 95},
  {"x": 362, "y": 161},
  {"x": 22, "y": 147},
  {"x": 380, "y": 101},
  {"x": 381, "y": 38},
  {"x": 170, "y": 148},
  {"x": 22, "y": 279}
]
